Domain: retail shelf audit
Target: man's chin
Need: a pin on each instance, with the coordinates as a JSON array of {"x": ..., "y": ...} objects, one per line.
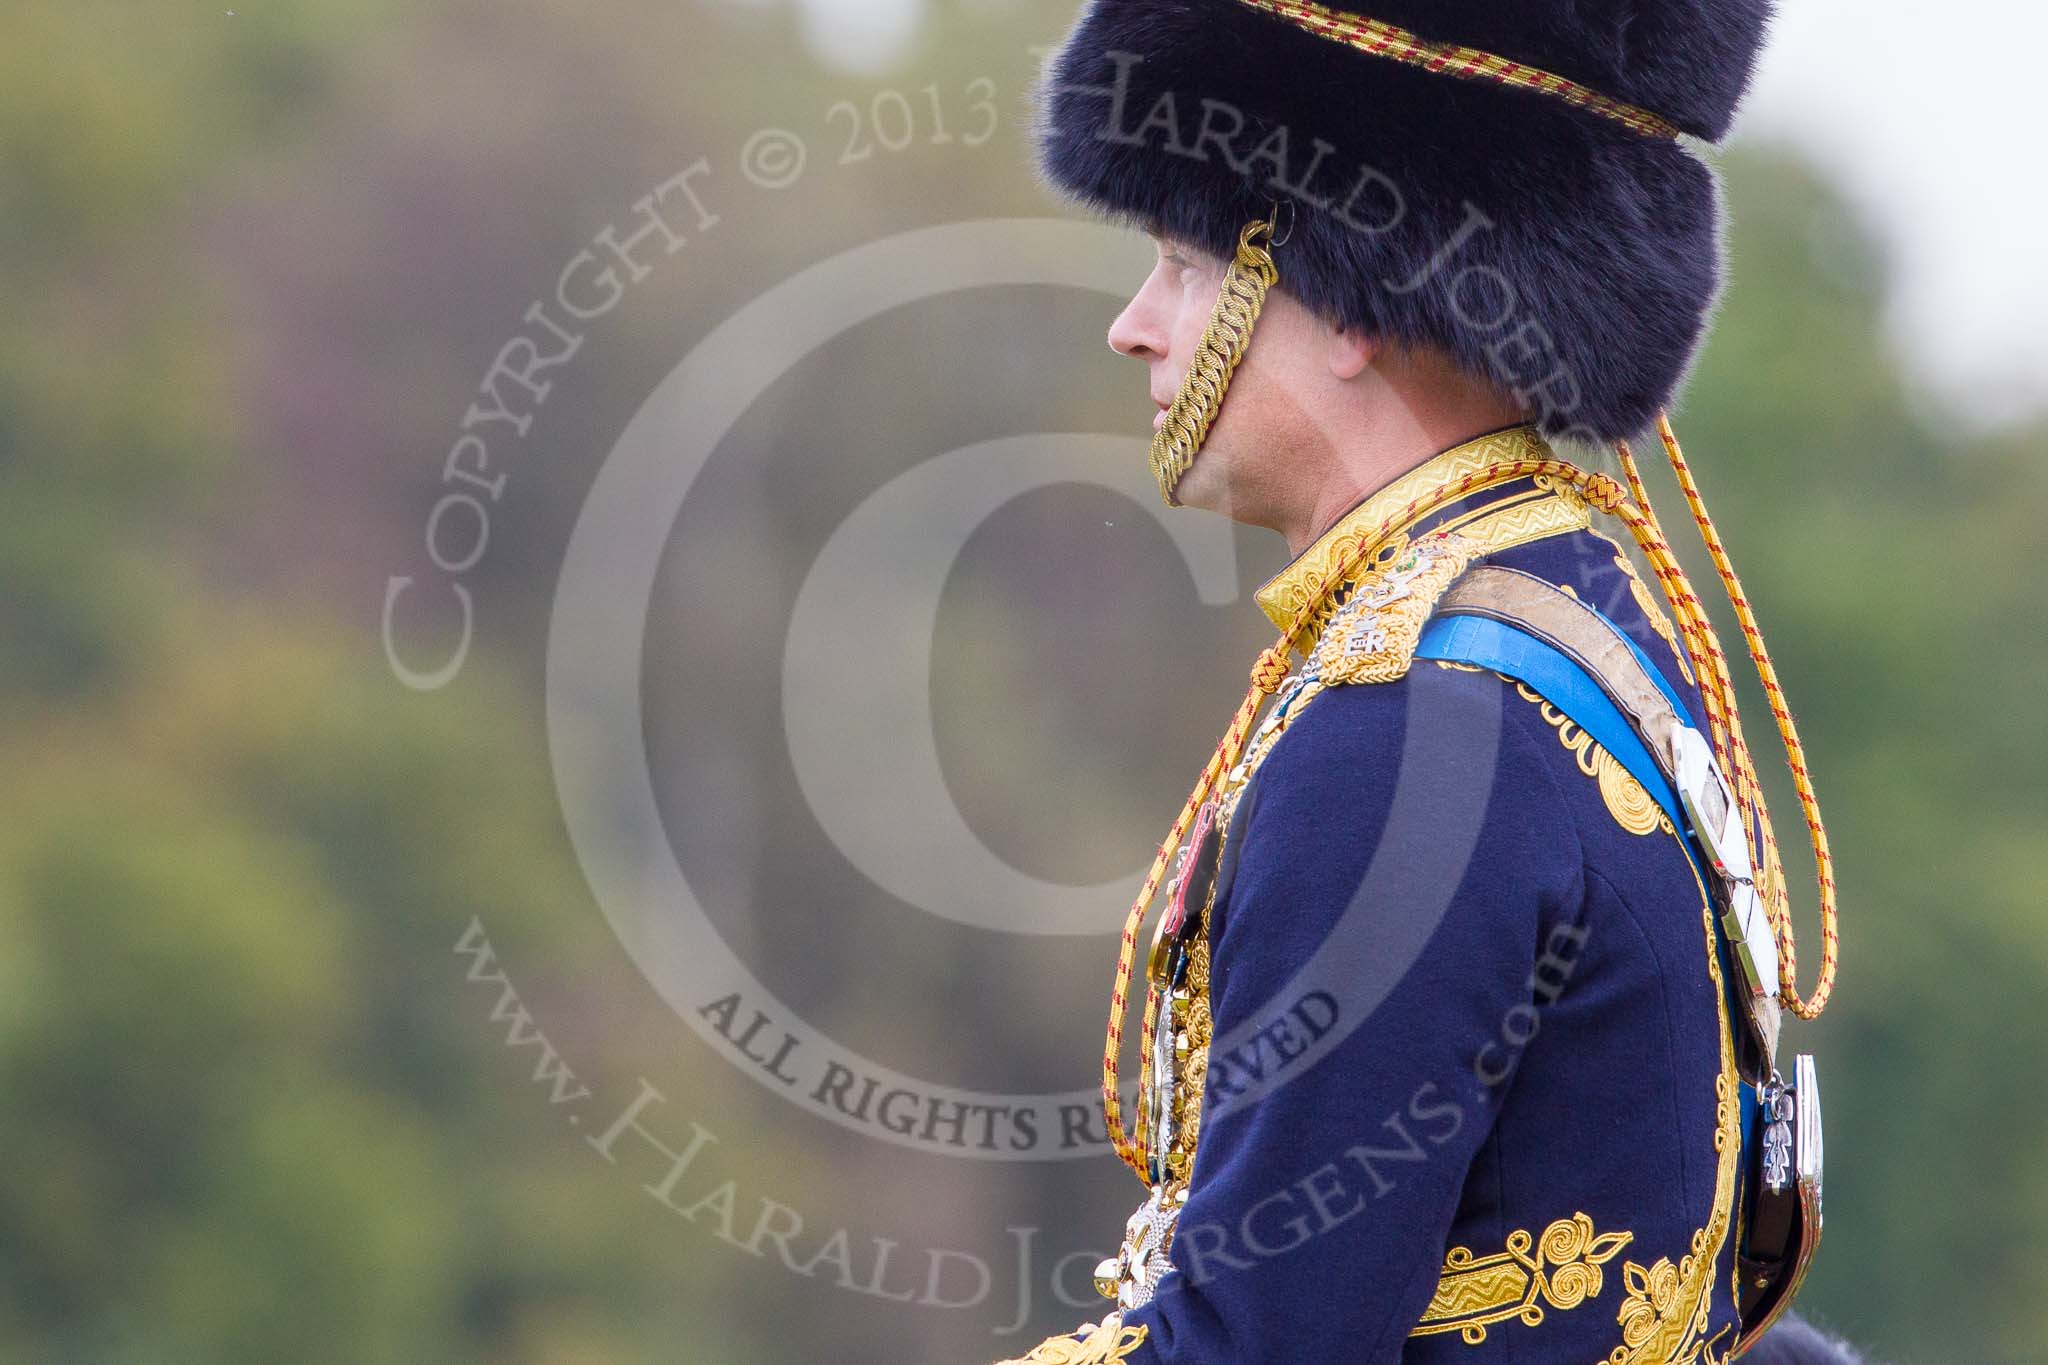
[
  {"x": 1209, "y": 487},
  {"x": 1202, "y": 487}
]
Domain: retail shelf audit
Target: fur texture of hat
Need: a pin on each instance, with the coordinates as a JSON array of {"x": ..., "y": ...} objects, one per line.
[{"x": 1563, "y": 255}]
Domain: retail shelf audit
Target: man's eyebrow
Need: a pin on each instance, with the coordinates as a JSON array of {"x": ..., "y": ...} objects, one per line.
[{"x": 1170, "y": 244}]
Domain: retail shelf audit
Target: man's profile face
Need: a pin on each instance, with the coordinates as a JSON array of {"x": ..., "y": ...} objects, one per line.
[{"x": 1261, "y": 421}]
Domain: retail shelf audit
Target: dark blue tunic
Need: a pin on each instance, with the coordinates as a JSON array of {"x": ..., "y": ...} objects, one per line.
[{"x": 1473, "y": 1094}]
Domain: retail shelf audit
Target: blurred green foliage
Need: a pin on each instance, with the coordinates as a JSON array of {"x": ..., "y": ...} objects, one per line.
[{"x": 250, "y": 1112}]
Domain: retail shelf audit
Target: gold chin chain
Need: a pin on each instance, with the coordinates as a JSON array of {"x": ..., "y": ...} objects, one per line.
[{"x": 1245, "y": 284}]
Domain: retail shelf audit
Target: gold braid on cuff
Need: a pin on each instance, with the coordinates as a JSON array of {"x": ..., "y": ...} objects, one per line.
[{"x": 1194, "y": 410}]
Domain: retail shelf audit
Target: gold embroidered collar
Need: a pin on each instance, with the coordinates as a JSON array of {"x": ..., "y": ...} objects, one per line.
[{"x": 1508, "y": 515}]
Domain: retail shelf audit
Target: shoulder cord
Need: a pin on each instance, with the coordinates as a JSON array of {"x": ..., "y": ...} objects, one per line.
[{"x": 1710, "y": 665}]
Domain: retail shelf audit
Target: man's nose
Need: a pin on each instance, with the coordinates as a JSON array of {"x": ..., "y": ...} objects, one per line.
[{"x": 1133, "y": 333}]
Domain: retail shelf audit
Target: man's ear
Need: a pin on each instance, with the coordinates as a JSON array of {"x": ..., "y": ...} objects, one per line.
[{"x": 1350, "y": 352}]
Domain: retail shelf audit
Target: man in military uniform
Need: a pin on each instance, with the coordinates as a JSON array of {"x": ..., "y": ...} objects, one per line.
[{"x": 1460, "y": 1016}]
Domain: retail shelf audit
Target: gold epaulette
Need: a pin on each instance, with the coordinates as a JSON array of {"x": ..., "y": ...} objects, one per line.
[{"x": 1371, "y": 637}]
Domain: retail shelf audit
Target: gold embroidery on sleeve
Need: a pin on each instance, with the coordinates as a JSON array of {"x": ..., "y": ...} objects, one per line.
[
  {"x": 1105, "y": 1343},
  {"x": 1560, "y": 1269}
]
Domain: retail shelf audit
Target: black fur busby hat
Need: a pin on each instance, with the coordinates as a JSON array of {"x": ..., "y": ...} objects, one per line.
[{"x": 1504, "y": 182}]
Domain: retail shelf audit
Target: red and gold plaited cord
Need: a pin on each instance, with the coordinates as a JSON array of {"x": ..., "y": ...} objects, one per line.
[
  {"x": 1378, "y": 39},
  {"x": 1717, "y": 691},
  {"x": 1748, "y": 794}
]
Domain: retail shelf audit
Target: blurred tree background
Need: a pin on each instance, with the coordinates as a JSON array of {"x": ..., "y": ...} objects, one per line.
[{"x": 255, "y": 261}]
